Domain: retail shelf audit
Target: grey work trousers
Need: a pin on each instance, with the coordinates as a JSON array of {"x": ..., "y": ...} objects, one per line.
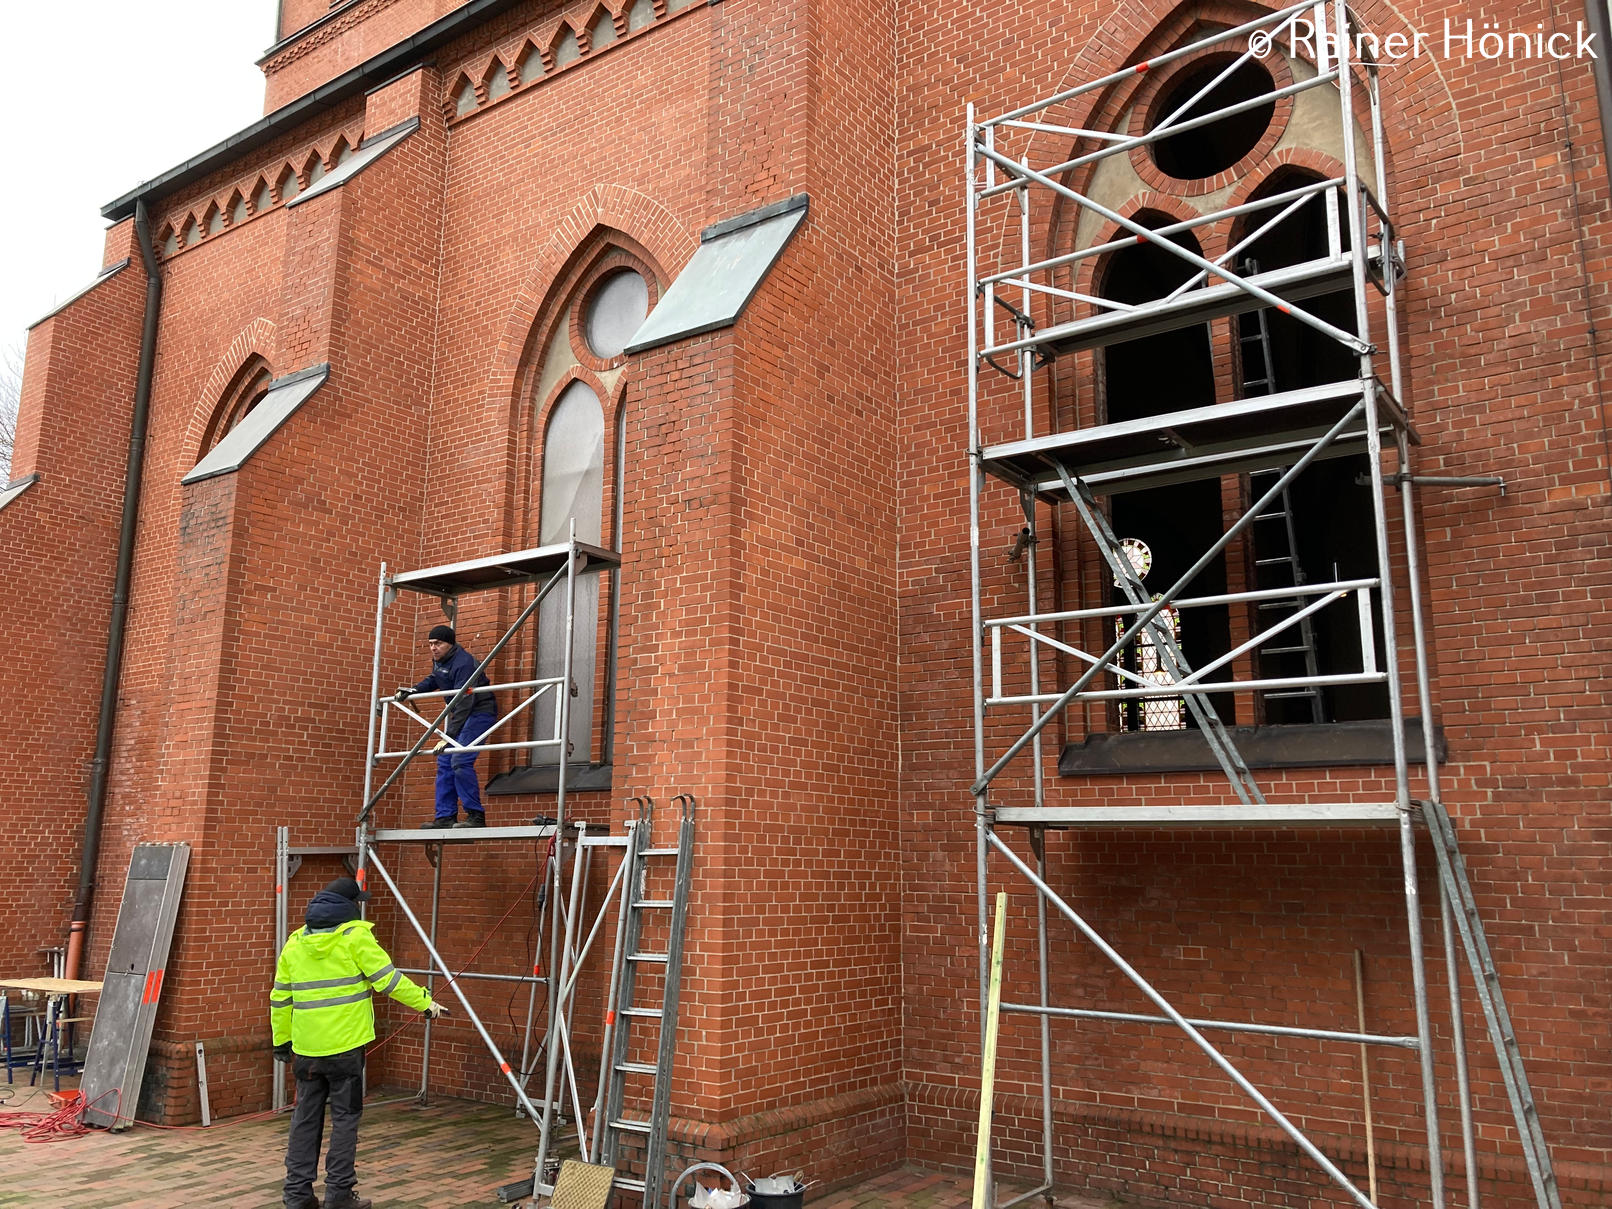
[{"x": 338, "y": 1080}]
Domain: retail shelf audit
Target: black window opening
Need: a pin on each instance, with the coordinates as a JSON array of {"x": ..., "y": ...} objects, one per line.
[
  {"x": 1216, "y": 146},
  {"x": 1166, "y": 372},
  {"x": 1323, "y": 530}
]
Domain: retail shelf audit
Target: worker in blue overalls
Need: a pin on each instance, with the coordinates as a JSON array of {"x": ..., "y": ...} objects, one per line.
[{"x": 471, "y": 717}]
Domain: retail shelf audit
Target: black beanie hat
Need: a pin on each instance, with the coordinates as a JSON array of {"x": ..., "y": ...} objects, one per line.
[
  {"x": 441, "y": 633},
  {"x": 348, "y": 888}
]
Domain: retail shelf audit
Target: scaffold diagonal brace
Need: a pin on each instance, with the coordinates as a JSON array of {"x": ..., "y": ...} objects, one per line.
[
  {"x": 1193, "y": 1034},
  {"x": 1171, "y": 593},
  {"x": 1013, "y": 167}
]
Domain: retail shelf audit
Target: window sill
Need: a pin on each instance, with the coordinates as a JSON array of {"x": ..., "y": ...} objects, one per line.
[
  {"x": 545, "y": 778},
  {"x": 1323, "y": 745}
]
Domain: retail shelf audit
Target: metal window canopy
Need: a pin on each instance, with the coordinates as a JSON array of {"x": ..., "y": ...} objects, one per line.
[
  {"x": 1012, "y": 181},
  {"x": 277, "y": 406},
  {"x": 367, "y": 152},
  {"x": 733, "y": 259},
  {"x": 12, "y": 490},
  {"x": 106, "y": 274}
]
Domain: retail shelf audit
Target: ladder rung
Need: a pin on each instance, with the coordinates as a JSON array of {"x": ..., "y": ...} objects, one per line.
[
  {"x": 645, "y": 1013},
  {"x": 662, "y": 958},
  {"x": 629, "y": 1183},
  {"x": 665, "y": 903},
  {"x": 1297, "y": 692},
  {"x": 1276, "y": 561},
  {"x": 1271, "y": 516},
  {"x": 658, "y": 852},
  {"x": 636, "y": 1068},
  {"x": 1292, "y": 603},
  {"x": 631, "y": 1126},
  {"x": 1282, "y": 650}
]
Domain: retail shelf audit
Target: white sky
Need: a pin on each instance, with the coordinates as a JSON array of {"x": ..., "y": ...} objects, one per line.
[{"x": 107, "y": 95}]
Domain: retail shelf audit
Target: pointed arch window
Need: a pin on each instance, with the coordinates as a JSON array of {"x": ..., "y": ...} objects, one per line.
[
  {"x": 578, "y": 474},
  {"x": 572, "y": 491}
]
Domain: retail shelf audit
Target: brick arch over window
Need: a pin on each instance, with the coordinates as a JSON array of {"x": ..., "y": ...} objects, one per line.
[
  {"x": 572, "y": 458},
  {"x": 1422, "y": 166},
  {"x": 666, "y": 243},
  {"x": 257, "y": 342}
]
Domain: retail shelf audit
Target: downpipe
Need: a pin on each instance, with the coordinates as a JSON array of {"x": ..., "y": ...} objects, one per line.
[{"x": 112, "y": 673}]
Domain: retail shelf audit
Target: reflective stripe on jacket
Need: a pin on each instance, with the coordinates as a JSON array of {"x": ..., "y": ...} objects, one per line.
[{"x": 323, "y": 983}]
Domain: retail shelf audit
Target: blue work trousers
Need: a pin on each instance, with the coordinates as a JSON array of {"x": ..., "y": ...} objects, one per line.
[{"x": 456, "y": 770}]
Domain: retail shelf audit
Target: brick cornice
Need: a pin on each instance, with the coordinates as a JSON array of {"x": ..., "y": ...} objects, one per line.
[{"x": 316, "y": 35}]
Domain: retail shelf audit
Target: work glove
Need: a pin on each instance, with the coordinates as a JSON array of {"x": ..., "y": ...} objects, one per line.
[
  {"x": 436, "y": 1010},
  {"x": 283, "y": 1052},
  {"x": 402, "y": 695}
]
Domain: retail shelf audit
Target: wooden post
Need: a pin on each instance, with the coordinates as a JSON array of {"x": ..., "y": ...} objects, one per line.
[{"x": 993, "y": 1019}]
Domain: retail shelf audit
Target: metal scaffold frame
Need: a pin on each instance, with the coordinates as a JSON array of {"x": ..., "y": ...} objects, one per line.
[
  {"x": 568, "y": 931},
  {"x": 1282, "y": 432},
  {"x": 567, "y": 935}
]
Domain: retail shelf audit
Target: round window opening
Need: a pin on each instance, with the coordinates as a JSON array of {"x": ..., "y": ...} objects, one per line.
[
  {"x": 1216, "y": 146},
  {"x": 616, "y": 309}
]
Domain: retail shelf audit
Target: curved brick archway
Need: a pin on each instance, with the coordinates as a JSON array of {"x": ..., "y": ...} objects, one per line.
[
  {"x": 1417, "y": 87},
  {"x": 609, "y": 207},
  {"x": 259, "y": 338}
]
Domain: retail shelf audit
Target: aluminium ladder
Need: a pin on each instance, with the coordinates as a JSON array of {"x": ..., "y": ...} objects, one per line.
[
  {"x": 658, "y": 1023},
  {"x": 1254, "y": 334},
  {"x": 1280, "y": 559}
]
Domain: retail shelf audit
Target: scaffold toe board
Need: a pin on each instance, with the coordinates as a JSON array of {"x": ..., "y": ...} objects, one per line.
[
  {"x": 1205, "y": 304},
  {"x": 1223, "y": 438},
  {"x": 1264, "y": 814},
  {"x": 502, "y": 570},
  {"x": 457, "y": 835}
]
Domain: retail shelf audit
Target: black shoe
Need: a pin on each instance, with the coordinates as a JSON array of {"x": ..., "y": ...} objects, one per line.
[
  {"x": 438, "y": 824},
  {"x": 308, "y": 1202},
  {"x": 348, "y": 1200},
  {"x": 473, "y": 818}
]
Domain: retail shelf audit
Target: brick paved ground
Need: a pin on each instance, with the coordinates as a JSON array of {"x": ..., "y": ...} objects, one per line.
[{"x": 453, "y": 1153}]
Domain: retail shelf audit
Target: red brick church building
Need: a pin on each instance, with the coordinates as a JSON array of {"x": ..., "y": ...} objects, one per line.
[{"x": 414, "y": 316}]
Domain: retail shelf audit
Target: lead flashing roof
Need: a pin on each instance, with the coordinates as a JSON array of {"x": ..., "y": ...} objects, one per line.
[
  {"x": 12, "y": 490},
  {"x": 370, "y": 150},
  {"x": 733, "y": 259},
  {"x": 284, "y": 396},
  {"x": 106, "y": 274}
]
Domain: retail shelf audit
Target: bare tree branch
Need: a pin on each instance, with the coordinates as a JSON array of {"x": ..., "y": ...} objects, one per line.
[{"x": 10, "y": 397}]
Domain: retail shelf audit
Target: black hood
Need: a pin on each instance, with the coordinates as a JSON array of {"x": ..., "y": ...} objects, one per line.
[{"x": 329, "y": 909}]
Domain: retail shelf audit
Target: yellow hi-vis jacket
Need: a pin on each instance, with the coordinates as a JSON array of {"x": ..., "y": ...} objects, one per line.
[{"x": 322, "y": 987}]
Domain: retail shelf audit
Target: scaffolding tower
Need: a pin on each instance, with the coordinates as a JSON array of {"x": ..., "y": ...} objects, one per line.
[{"x": 1025, "y": 311}]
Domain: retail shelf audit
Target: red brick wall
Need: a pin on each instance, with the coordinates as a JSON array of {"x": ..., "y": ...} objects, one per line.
[
  {"x": 58, "y": 553},
  {"x": 357, "y": 32},
  {"x": 794, "y": 600},
  {"x": 1262, "y": 927}
]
